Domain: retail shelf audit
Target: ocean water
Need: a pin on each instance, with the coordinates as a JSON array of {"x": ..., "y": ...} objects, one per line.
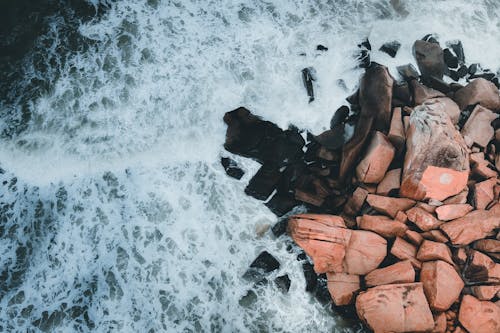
[{"x": 116, "y": 215}]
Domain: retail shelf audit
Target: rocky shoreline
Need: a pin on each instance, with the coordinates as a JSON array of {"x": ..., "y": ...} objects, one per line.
[{"x": 403, "y": 214}]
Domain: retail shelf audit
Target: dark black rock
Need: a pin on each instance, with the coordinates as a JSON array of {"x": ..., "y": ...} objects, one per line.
[
  {"x": 487, "y": 76},
  {"x": 263, "y": 182},
  {"x": 321, "y": 48},
  {"x": 322, "y": 294},
  {"x": 280, "y": 227},
  {"x": 332, "y": 139},
  {"x": 231, "y": 168},
  {"x": 462, "y": 71},
  {"x": 437, "y": 84},
  {"x": 365, "y": 44},
  {"x": 262, "y": 265},
  {"x": 474, "y": 68},
  {"x": 308, "y": 76},
  {"x": 248, "y": 299},
  {"x": 496, "y": 81},
  {"x": 450, "y": 59},
  {"x": 363, "y": 58},
  {"x": 290, "y": 175},
  {"x": 431, "y": 38},
  {"x": 496, "y": 123},
  {"x": 339, "y": 117},
  {"x": 282, "y": 203},
  {"x": 401, "y": 92},
  {"x": 354, "y": 98},
  {"x": 391, "y": 48},
  {"x": 429, "y": 58},
  {"x": 454, "y": 75},
  {"x": 408, "y": 72},
  {"x": 310, "y": 276},
  {"x": 283, "y": 283},
  {"x": 458, "y": 49}
]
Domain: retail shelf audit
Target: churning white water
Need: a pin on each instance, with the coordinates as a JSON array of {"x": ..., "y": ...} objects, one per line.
[{"x": 116, "y": 215}]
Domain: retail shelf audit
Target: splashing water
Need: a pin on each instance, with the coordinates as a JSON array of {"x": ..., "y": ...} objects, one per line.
[{"x": 116, "y": 214}]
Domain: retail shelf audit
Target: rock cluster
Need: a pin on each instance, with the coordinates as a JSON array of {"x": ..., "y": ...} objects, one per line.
[{"x": 405, "y": 215}]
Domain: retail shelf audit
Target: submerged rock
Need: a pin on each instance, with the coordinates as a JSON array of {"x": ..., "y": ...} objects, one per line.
[
  {"x": 308, "y": 76},
  {"x": 231, "y": 167},
  {"x": 391, "y": 48}
]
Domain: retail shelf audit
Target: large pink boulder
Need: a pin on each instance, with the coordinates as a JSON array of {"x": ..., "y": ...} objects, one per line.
[
  {"x": 382, "y": 225},
  {"x": 479, "y": 316},
  {"x": 364, "y": 252},
  {"x": 395, "y": 308},
  {"x": 342, "y": 287},
  {"x": 388, "y": 205},
  {"x": 400, "y": 272},
  {"x": 436, "y": 164},
  {"x": 379, "y": 155},
  {"x": 479, "y": 91},
  {"x": 478, "y": 127},
  {"x": 442, "y": 284}
]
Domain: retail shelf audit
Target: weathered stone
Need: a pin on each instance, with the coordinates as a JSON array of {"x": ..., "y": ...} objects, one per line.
[
  {"x": 480, "y": 166},
  {"x": 390, "y": 183},
  {"x": 356, "y": 201},
  {"x": 262, "y": 265},
  {"x": 483, "y": 193},
  {"x": 414, "y": 237},
  {"x": 379, "y": 155},
  {"x": 436, "y": 163},
  {"x": 478, "y": 126},
  {"x": 382, "y": 225},
  {"x": 480, "y": 268},
  {"x": 397, "y": 132},
  {"x": 439, "y": 323},
  {"x": 487, "y": 245},
  {"x": 405, "y": 251},
  {"x": 479, "y": 316},
  {"x": 401, "y": 217},
  {"x": 460, "y": 198},
  {"x": 408, "y": 72},
  {"x": 422, "y": 219},
  {"x": 364, "y": 252},
  {"x": 324, "y": 238},
  {"x": 395, "y": 308},
  {"x": 400, "y": 272},
  {"x": 422, "y": 93},
  {"x": 425, "y": 206},
  {"x": 453, "y": 211},
  {"x": 430, "y": 251},
  {"x": 435, "y": 236},
  {"x": 391, "y": 48},
  {"x": 429, "y": 58},
  {"x": 375, "y": 96},
  {"x": 485, "y": 293},
  {"x": 389, "y": 206},
  {"x": 476, "y": 225},
  {"x": 479, "y": 91},
  {"x": 449, "y": 106},
  {"x": 442, "y": 284},
  {"x": 342, "y": 287}
]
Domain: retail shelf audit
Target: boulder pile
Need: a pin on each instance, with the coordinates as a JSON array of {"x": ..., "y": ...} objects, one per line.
[{"x": 404, "y": 215}]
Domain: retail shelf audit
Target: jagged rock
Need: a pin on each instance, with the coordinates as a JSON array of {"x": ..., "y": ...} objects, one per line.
[
  {"x": 263, "y": 182},
  {"x": 405, "y": 251},
  {"x": 479, "y": 316},
  {"x": 450, "y": 108},
  {"x": 282, "y": 203},
  {"x": 379, "y": 155},
  {"x": 308, "y": 76},
  {"x": 478, "y": 91},
  {"x": 480, "y": 268},
  {"x": 429, "y": 58},
  {"x": 395, "y": 308},
  {"x": 423, "y": 93},
  {"x": 424, "y": 220},
  {"x": 339, "y": 117},
  {"x": 460, "y": 198},
  {"x": 397, "y": 132},
  {"x": 356, "y": 201},
  {"x": 480, "y": 166},
  {"x": 321, "y": 48},
  {"x": 375, "y": 95},
  {"x": 436, "y": 164},
  {"x": 414, "y": 237},
  {"x": 430, "y": 251},
  {"x": 231, "y": 168},
  {"x": 262, "y": 265},
  {"x": 487, "y": 245},
  {"x": 485, "y": 292},
  {"x": 408, "y": 72},
  {"x": 452, "y": 211},
  {"x": 458, "y": 49},
  {"x": 391, "y": 48},
  {"x": 365, "y": 251},
  {"x": 476, "y": 225},
  {"x": 400, "y": 272},
  {"x": 450, "y": 59},
  {"x": 389, "y": 206},
  {"x": 342, "y": 287},
  {"x": 283, "y": 283},
  {"x": 483, "y": 193},
  {"x": 382, "y": 225},
  {"x": 439, "y": 323},
  {"x": 401, "y": 95},
  {"x": 478, "y": 126},
  {"x": 390, "y": 183},
  {"x": 442, "y": 284}
]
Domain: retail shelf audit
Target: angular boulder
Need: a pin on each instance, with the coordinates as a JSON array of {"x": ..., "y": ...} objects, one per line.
[
  {"x": 449, "y": 106},
  {"x": 400, "y": 272},
  {"x": 397, "y": 132},
  {"x": 436, "y": 164},
  {"x": 483, "y": 193},
  {"x": 486, "y": 292},
  {"x": 423, "y": 219},
  {"x": 476, "y": 225},
  {"x": 395, "y": 308},
  {"x": 488, "y": 245},
  {"x": 364, "y": 252},
  {"x": 479, "y": 316},
  {"x": 422, "y": 93},
  {"x": 390, "y": 182},
  {"x": 382, "y": 225},
  {"x": 442, "y": 284},
  {"x": 430, "y": 251},
  {"x": 356, "y": 201},
  {"x": 453, "y": 211},
  {"x": 342, "y": 287},
  {"x": 389, "y": 206},
  {"x": 403, "y": 250},
  {"x": 479, "y": 91},
  {"x": 430, "y": 58},
  {"x": 478, "y": 127},
  {"x": 379, "y": 155}
]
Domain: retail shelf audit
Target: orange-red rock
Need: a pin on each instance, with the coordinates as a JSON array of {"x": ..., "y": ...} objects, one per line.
[
  {"x": 483, "y": 193},
  {"x": 479, "y": 316},
  {"x": 356, "y": 201},
  {"x": 401, "y": 217},
  {"x": 476, "y": 225},
  {"x": 460, "y": 198},
  {"x": 379, "y": 155},
  {"x": 400, "y": 272},
  {"x": 395, "y": 308},
  {"x": 485, "y": 293},
  {"x": 389, "y": 206},
  {"x": 403, "y": 250},
  {"x": 481, "y": 268},
  {"x": 487, "y": 245},
  {"x": 382, "y": 225},
  {"x": 442, "y": 284},
  {"x": 424, "y": 220},
  {"x": 323, "y": 238},
  {"x": 453, "y": 211},
  {"x": 397, "y": 132},
  {"x": 435, "y": 235},
  {"x": 450, "y": 107},
  {"x": 436, "y": 164},
  {"x": 342, "y": 287},
  {"x": 425, "y": 206},
  {"x": 478, "y": 91},
  {"x": 390, "y": 182},
  {"x": 478, "y": 126},
  {"x": 414, "y": 237},
  {"x": 480, "y": 166},
  {"x": 422, "y": 94},
  {"x": 439, "y": 323},
  {"x": 364, "y": 252},
  {"x": 430, "y": 250}
]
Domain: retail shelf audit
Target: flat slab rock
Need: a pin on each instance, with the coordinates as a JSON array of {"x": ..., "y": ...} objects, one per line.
[{"x": 395, "y": 308}]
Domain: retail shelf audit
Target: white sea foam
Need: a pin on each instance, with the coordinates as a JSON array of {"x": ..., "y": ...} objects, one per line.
[{"x": 120, "y": 202}]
